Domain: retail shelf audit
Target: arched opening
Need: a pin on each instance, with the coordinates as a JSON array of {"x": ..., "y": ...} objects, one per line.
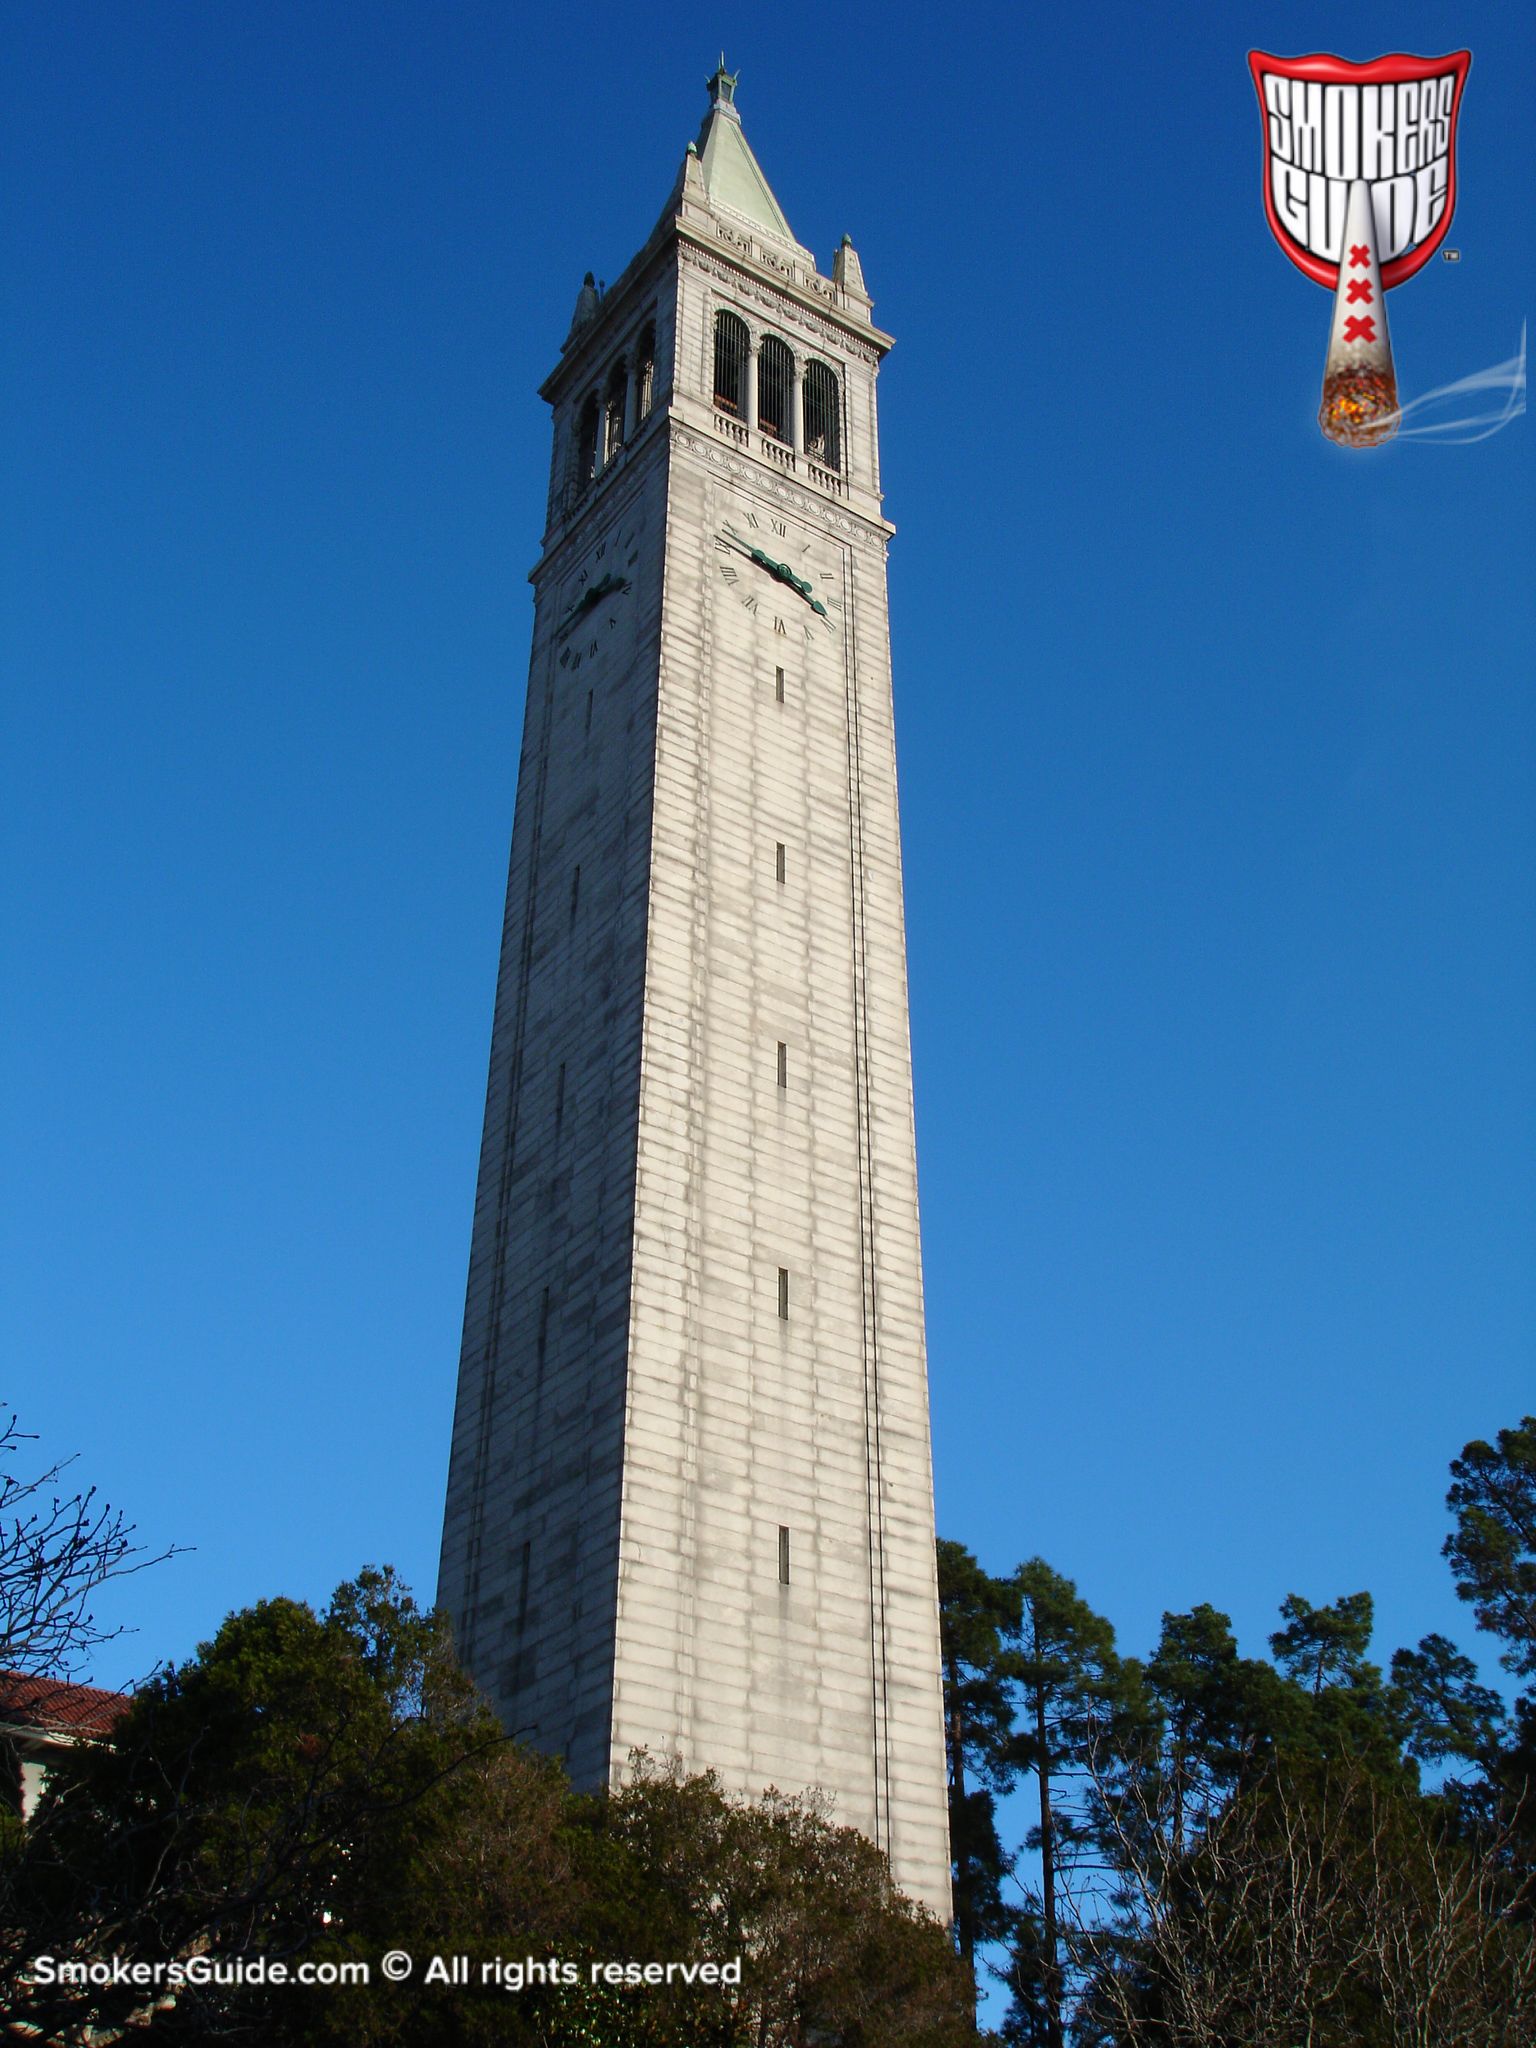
[
  {"x": 645, "y": 374},
  {"x": 731, "y": 345},
  {"x": 775, "y": 388},
  {"x": 823, "y": 416},
  {"x": 586, "y": 443},
  {"x": 613, "y": 412}
]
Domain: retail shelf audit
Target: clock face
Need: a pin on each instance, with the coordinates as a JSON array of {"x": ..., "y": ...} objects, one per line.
[
  {"x": 787, "y": 576},
  {"x": 597, "y": 599}
]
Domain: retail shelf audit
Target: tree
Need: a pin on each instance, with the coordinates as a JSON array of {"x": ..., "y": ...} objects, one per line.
[
  {"x": 57, "y": 1550},
  {"x": 831, "y": 1952},
  {"x": 324, "y": 1787},
  {"x": 1337, "y": 1704},
  {"x": 1320, "y": 1905},
  {"x": 272, "y": 1797},
  {"x": 1212, "y": 1711},
  {"x": 1322, "y": 1646},
  {"x": 1445, "y": 1710},
  {"x": 1493, "y": 1546},
  {"x": 1492, "y": 1551},
  {"x": 975, "y": 1613},
  {"x": 1072, "y": 1690}
]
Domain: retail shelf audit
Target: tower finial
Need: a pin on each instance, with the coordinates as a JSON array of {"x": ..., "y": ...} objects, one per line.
[{"x": 722, "y": 87}]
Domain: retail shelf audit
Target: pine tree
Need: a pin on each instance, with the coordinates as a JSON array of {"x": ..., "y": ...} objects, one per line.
[
  {"x": 975, "y": 1611},
  {"x": 1074, "y": 1692}
]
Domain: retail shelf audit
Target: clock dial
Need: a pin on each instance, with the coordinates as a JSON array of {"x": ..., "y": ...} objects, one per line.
[
  {"x": 598, "y": 596},
  {"x": 788, "y": 577}
]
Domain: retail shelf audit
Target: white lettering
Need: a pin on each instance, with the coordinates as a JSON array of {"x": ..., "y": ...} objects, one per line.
[
  {"x": 1325, "y": 215},
  {"x": 1321, "y": 138},
  {"x": 1431, "y": 187},
  {"x": 1376, "y": 132},
  {"x": 1289, "y": 187},
  {"x": 1341, "y": 132},
  {"x": 1309, "y": 126},
  {"x": 1430, "y": 143},
  {"x": 1392, "y": 202},
  {"x": 1408, "y": 125},
  {"x": 1277, "y": 97}
]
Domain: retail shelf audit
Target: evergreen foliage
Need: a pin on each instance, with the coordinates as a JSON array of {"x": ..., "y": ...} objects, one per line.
[
  {"x": 322, "y": 1788},
  {"x": 1233, "y": 1852}
]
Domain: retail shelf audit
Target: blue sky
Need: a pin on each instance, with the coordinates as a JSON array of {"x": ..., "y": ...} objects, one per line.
[{"x": 1217, "y": 752}]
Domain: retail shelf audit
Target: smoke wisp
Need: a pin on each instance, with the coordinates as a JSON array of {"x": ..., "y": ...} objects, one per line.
[{"x": 1471, "y": 409}]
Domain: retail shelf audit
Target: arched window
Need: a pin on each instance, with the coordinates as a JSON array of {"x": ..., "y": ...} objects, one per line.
[
  {"x": 613, "y": 412},
  {"x": 731, "y": 345},
  {"x": 586, "y": 444},
  {"x": 775, "y": 388},
  {"x": 823, "y": 421},
  {"x": 645, "y": 374}
]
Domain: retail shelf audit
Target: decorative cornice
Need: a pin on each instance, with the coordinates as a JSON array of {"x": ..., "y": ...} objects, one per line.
[
  {"x": 739, "y": 261},
  {"x": 851, "y": 525},
  {"x": 620, "y": 313}
]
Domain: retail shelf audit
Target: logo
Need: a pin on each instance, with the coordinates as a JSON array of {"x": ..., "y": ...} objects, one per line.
[{"x": 1359, "y": 189}]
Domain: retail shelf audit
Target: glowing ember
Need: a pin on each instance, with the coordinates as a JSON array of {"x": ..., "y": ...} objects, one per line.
[{"x": 1360, "y": 408}]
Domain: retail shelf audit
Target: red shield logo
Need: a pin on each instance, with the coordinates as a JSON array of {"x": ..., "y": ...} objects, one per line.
[{"x": 1328, "y": 122}]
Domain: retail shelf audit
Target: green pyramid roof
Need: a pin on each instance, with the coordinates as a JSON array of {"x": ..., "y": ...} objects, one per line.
[{"x": 732, "y": 176}]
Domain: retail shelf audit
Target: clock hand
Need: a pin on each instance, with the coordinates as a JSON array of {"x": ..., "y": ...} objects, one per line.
[
  {"x": 606, "y": 586},
  {"x": 781, "y": 572}
]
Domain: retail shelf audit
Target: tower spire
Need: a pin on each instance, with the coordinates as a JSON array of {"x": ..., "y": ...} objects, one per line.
[
  {"x": 722, "y": 88},
  {"x": 733, "y": 178}
]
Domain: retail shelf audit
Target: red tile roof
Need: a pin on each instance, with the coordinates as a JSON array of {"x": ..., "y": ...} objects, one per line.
[{"x": 52, "y": 1706}]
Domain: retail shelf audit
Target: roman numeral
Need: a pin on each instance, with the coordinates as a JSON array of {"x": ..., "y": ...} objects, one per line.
[
  {"x": 750, "y": 603},
  {"x": 778, "y": 526},
  {"x": 778, "y": 625},
  {"x": 753, "y": 520}
]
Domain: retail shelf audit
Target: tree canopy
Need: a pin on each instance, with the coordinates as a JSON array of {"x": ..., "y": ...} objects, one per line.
[{"x": 1231, "y": 1850}]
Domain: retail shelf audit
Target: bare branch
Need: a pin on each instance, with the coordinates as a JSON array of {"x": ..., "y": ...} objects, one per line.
[{"x": 57, "y": 1550}]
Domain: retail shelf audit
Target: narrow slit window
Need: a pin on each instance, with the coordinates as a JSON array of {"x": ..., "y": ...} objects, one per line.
[
  {"x": 780, "y": 863},
  {"x": 560, "y": 1096},
  {"x": 778, "y": 686},
  {"x": 588, "y": 732},
  {"x": 783, "y": 1294},
  {"x": 575, "y": 892},
  {"x": 783, "y": 1065},
  {"x": 783, "y": 1555},
  {"x": 731, "y": 345},
  {"x": 543, "y": 1351},
  {"x": 522, "y": 1587}
]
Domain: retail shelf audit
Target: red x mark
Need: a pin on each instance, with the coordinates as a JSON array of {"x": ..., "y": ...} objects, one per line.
[
  {"x": 1359, "y": 288},
  {"x": 1358, "y": 253},
  {"x": 1360, "y": 330}
]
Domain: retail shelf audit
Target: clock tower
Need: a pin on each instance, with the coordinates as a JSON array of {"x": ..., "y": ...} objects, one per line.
[{"x": 690, "y": 1505}]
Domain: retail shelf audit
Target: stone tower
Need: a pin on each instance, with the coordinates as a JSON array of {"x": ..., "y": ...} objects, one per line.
[{"x": 690, "y": 1504}]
